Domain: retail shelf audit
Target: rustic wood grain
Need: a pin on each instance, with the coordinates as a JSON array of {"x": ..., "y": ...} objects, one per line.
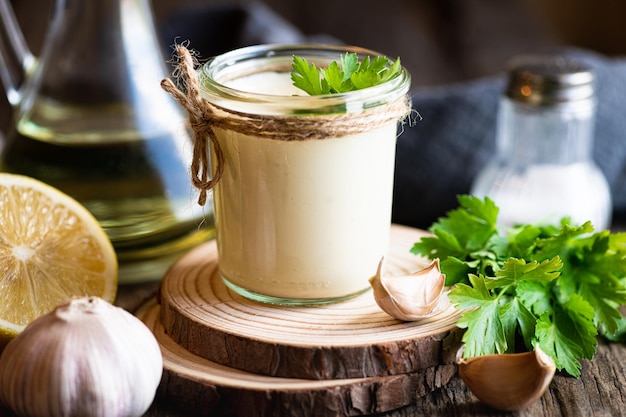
[
  {"x": 350, "y": 339},
  {"x": 205, "y": 388},
  {"x": 600, "y": 391}
]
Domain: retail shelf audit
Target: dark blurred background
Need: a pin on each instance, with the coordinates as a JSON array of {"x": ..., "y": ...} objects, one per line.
[
  {"x": 440, "y": 41},
  {"x": 443, "y": 41}
]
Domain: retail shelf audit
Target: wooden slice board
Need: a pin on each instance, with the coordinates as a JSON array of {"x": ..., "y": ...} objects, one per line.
[
  {"x": 350, "y": 339},
  {"x": 207, "y": 388}
]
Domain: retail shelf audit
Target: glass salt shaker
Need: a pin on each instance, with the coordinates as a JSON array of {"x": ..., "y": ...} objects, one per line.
[{"x": 543, "y": 168}]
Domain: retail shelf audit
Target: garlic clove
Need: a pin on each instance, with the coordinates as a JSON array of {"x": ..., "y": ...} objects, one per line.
[
  {"x": 509, "y": 382},
  {"x": 409, "y": 297},
  {"x": 84, "y": 358}
]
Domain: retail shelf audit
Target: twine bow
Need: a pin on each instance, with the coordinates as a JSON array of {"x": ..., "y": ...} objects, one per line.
[{"x": 202, "y": 120}]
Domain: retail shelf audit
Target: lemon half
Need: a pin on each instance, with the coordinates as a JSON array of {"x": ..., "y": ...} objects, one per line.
[{"x": 51, "y": 249}]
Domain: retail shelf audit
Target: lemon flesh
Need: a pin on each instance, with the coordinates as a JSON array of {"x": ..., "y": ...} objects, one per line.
[{"x": 51, "y": 249}]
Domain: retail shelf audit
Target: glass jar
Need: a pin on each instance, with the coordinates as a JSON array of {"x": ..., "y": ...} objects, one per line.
[
  {"x": 543, "y": 168},
  {"x": 303, "y": 204}
]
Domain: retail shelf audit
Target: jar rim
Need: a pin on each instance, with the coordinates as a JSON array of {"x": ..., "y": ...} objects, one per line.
[{"x": 278, "y": 57}]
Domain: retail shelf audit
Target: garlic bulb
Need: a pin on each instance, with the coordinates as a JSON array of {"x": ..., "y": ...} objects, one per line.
[
  {"x": 409, "y": 297},
  {"x": 510, "y": 381},
  {"x": 85, "y": 358}
]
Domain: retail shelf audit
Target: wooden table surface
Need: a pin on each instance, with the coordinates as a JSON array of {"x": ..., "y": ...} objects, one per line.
[{"x": 599, "y": 391}]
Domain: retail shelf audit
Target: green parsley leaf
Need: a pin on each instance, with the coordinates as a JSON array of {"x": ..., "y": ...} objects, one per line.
[
  {"x": 466, "y": 234},
  {"x": 307, "y": 77},
  {"x": 591, "y": 269},
  {"x": 568, "y": 335},
  {"x": 620, "y": 334},
  {"x": 537, "y": 296},
  {"x": 564, "y": 351},
  {"x": 471, "y": 296},
  {"x": 564, "y": 243},
  {"x": 555, "y": 286},
  {"x": 456, "y": 270},
  {"x": 515, "y": 270},
  {"x": 347, "y": 75},
  {"x": 349, "y": 64},
  {"x": 496, "y": 311},
  {"x": 484, "y": 334},
  {"x": 516, "y": 320},
  {"x": 335, "y": 78},
  {"x": 519, "y": 243}
]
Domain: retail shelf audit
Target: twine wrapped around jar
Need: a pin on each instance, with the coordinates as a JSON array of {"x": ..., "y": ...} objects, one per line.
[{"x": 204, "y": 117}]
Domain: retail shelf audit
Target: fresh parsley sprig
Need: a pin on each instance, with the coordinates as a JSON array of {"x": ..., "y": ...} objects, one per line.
[
  {"x": 555, "y": 287},
  {"x": 348, "y": 75}
]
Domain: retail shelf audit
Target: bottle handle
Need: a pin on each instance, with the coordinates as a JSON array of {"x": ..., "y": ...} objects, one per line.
[{"x": 16, "y": 59}]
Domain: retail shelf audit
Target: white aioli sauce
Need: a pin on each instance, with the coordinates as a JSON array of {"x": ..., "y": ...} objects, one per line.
[{"x": 303, "y": 219}]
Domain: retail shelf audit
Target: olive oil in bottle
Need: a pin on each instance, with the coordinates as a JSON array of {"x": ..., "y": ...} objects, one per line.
[{"x": 138, "y": 190}]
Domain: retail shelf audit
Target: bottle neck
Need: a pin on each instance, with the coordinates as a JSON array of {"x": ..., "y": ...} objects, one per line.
[
  {"x": 96, "y": 46},
  {"x": 98, "y": 75},
  {"x": 556, "y": 134}
]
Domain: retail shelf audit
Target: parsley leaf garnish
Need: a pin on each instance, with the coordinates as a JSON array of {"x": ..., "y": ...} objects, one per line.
[
  {"x": 347, "y": 75},
  {"x": 556, "y": 287}
]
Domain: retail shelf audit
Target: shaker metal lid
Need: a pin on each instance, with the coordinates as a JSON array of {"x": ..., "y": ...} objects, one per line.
[{"x": 546, "y": 79}]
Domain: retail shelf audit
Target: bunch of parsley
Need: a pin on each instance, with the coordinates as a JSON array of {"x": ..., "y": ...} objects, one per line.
[
  {"x": 556, "y": 287},
  {"x": 347, "y": 75}
]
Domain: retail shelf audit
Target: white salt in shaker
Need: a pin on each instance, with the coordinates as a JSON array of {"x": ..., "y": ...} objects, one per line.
[{"x": 543, "y": 168}]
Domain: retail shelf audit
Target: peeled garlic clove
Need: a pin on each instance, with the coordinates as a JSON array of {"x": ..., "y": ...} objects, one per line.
[
  {"x": 409, "y": 297},
  {"x": 510, "y": 381},
  {"x": 85, "y": 358}
]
